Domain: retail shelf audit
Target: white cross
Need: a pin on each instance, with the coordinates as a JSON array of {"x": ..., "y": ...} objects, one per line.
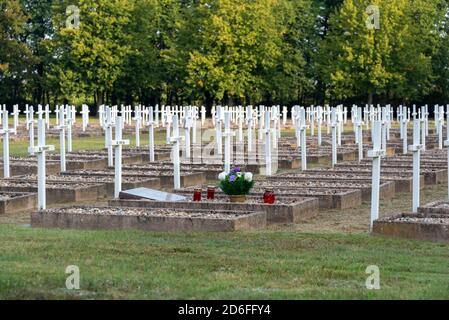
[
  {"x": 156, "y": 116},
  {"x": 168, "y": 123},
  {"x": 416, "y": 149},
  {"x": 203, "y": 115},
  {"x": 334, "y": 125},
  {"x": 108, "y": 135},
  {"x": 41, "y": 150},
  {"x": 240, "y": 118},
  {"x": 440, "y": 116},
  {"x": 284, "y": 115},
  {"x": 404, "y": 121},
  {"x": 85, "y": 115},
  {"x": 138, "y": 119},
  {"x": 118, "y": 144},
  {"x": 303, "y": 134},
  {"x": 423, "y": 129},
  {"x": 319, "y": 119},
  {"x": 5, "y": 133},
  {"x": 101, "y": 115},
  {"x": 30, "y": 125},
  {"x": 268, "y": 167},
  {"x": 150, "y": 125},
  {"x": 175, "y": 153},
  {"x": 218, "y": 135},
  {"x": 228, "y": 134},
  {"x": 376, "y": 154},
  {"x": 187, "y": 126},
  {"x": 249, "y": 123},
  {"x": 69, "y": 123},
  {"x": 15, "y": 114},
  {"x": 359, "y": 125},
  {"x": 446, "y": 144},
  {"x": 62, "y": 127}
]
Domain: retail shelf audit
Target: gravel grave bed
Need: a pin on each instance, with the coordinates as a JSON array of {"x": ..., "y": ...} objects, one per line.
[
  {"x": 136, "y": 173},
  {"x": 49, "y": 185},
  {"x": 119, "y": 211},
  {"x": 257, "y": 191},
  {"x": 85, "y": 179},
  {"x": 425, "y": 220},
  {"x": 221, "y": 198}
]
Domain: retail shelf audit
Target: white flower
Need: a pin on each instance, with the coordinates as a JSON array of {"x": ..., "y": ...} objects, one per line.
[
  {"x": 249, "y": 176},
  {"x": 222, "y": 176}
]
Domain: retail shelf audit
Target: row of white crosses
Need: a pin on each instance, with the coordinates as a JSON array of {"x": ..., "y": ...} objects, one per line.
[
  {"x": 41, "y": 149},
  {"x": 5, "y": 132},
  {"x": 378, "y": 152}
]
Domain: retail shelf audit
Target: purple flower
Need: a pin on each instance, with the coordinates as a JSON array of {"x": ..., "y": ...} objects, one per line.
[
  {"x": 237, "y": 169},
  {"x": 232, "y": 178}
]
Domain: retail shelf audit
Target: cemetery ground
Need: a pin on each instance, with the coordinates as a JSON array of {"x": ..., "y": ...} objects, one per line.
[
  {"x": 325, "y": 258},
  {"x": 322, "y": 258}
]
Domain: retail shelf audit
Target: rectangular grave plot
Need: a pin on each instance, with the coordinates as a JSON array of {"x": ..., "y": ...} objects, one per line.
[
  {"x": 147, "y": 219},
  {"x": 290, "y": 211},
  {"x": 98, "y": 164},
  {"x": 437, "y": 207},
  {"x": 328, "y": 199},
  {"x": 18, "y": 169},
  {"x": 58, "y": 193},
  {"x": 166, "y": 178},
  {"x": 13, "y": 202},
  {"x": 414, "y": 226},
  {"x": 387, "y": 189}
]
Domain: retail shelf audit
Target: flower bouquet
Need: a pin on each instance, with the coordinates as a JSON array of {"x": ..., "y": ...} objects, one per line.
[{"x": 236, "y": 184}]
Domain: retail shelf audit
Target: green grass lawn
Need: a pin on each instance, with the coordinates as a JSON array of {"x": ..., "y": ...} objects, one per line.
[
  {"x": 324, "y": 258},
  {"x": 259, "y": 265}
]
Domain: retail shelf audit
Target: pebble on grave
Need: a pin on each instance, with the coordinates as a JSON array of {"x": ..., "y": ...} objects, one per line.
[{"x": 167, "y": 220}]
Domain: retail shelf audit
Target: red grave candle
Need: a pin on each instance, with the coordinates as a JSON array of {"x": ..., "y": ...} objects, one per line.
[
  {"x": 197, "y": 195},
  {"x": 210, "y": 193},
  {"x": 269, "y": 197}
]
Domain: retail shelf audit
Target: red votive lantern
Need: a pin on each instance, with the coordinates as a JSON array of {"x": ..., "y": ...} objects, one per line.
[
  {"x": 269, "y": 197},
  {"x": 210, "y": 193},
  {"x": 197, "y": 195}
]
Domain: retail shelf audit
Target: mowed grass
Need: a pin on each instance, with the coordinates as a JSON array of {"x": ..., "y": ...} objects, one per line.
[
  {"x": 20, "y": 148},
  {"x": 255, "y": 265}
]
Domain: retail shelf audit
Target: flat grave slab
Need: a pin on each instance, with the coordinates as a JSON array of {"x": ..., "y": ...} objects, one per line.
[
  {"x": 13, "y": 202},
  {"x": 148, "y": 219},
  {"x": 150, "y": 194}
]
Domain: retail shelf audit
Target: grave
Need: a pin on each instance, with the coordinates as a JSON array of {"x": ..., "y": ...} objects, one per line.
[
  {"x": 107, "y": 182},
  {"x": 13, "y": 202},
  {"x": 428, "y": 226},
  {"x": 285, "y": 210},
  {"x": 146, "y": 219},
  {"x": 56, "y": 192},
  {"x": 328, "y": 198},
  {"x": 187, "y": 178}
]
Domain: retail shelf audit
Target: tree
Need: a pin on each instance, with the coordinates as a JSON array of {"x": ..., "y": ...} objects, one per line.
[
  {"x": 95, "y": 51},
  {"x": 15, "y": 56}
]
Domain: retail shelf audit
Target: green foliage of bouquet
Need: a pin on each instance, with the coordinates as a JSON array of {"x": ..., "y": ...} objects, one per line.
[{"x": 236, "y": 182}]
